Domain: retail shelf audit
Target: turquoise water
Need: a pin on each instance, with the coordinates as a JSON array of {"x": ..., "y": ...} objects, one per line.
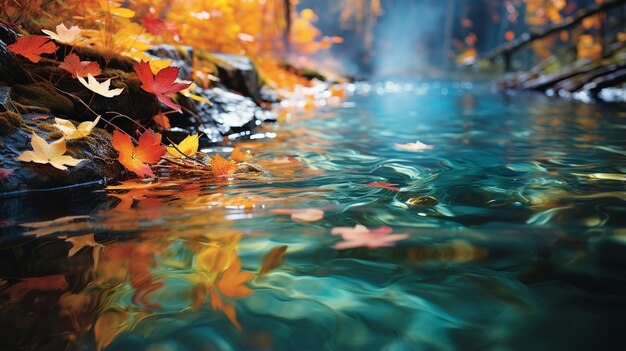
[{"x": 514, "y": 223}]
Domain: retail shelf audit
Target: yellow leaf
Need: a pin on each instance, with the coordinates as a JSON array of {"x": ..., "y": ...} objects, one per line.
[
  {"x": 188, "y": 147},
  {"x": 72, "y": 132},
  {"x": 49, "y": 153},
  {"x": 157, "y": 65},
  {"x": 100, "y": 88}
]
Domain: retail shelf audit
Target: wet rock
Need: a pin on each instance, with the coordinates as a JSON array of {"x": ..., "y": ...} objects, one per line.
[
  {"x": 229, "y": 113},
  {"x": 238, "y": 73},
  {"x": 96, "y": 149}
]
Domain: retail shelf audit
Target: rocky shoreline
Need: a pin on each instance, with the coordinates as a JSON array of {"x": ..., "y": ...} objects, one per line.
[{"x": 32, "y": 95}]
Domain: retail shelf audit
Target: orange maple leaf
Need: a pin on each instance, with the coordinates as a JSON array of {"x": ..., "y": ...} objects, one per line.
[
  {"x": 32, "y": 47},
  {"x": 221, "y": 167},
  {"x": 137, "y": 158},
  {"x": 164, "y": 82},
  {"x": 162, "y": 121},
  {"x": 239, "y": 156},
  {"x": 78, "y": 68}
]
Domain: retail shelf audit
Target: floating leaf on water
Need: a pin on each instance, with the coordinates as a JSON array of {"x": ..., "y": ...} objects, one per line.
[
  {"x": 422, "y": 201},
  {"x": 306, "y": 214},
  {"x": 416, "y": 146},
  {"x": 360, "y": 236}
]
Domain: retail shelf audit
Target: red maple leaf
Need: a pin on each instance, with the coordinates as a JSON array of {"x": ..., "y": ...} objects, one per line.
[
  {"x": 32, "y": 47},
  {"x": 160, "y": 84},
  {"x": 137, "y": 158},
  {"x": 78, "y": 68},
  {"x": 384, "y": 185},
  {"x": 154, "y": 25}
]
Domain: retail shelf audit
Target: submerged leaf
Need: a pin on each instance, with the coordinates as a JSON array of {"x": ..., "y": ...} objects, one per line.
[
  {"x": 273, "y": 259},
  {"x": 232, "y": 282}
]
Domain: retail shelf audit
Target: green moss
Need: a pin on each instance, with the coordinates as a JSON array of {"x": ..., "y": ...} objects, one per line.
[
  {"x": 10, "y": 122},
  {"x": 42, "y": 95}
]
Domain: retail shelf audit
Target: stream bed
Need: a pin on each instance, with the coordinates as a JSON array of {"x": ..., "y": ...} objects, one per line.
[{"x": 503, "y": 229}]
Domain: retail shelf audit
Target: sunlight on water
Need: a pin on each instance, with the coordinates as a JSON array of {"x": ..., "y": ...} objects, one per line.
[{"x": 504, "y": 223}]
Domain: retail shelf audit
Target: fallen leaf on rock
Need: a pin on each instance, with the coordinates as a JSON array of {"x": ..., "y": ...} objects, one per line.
[
  {"x": 221, "y": 167},
  {"x": 49, "y": 153},
  {"x": 383, "y": 185},
  {"x": 64, "y": 35},
  {"x": 70, "y": 131},
  {"x": 164, "y": 82},
  {"x": 78, "y": 68},
  {"x": 306, "y": 214},
  {"x": 100, "y": 88},
  {"x": 188, "y": 147},
  {"x": 32, "y": 47},
  {"x": 240, "y": 156},
  {"x": 137, "y": 158},
  {"x": 360, "y": 236},
  {"x": 416, "y": 146}
]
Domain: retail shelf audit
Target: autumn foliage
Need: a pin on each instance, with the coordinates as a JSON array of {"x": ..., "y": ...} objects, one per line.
[{"x": 138, "y": 158}]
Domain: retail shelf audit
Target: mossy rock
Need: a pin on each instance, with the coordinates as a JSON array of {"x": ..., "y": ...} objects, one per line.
[
  {"x": 9, "y": 122},
  {"x": 42, "y": 96}
]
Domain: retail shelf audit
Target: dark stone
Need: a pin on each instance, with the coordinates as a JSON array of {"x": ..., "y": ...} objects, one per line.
[
  {"x": 6, "y": 103},
  {"x": 96, "y": 149},
  {"x": 229, "y": 113},
  {"x": 239, "y": 74},
  {"x": 10, "y": 70}
]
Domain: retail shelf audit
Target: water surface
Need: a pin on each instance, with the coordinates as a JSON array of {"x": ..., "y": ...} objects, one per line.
[{"x": 516, "y": 225}]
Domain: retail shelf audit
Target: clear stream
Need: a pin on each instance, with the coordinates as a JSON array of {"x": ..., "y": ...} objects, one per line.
[{"x": 516, "y": 224}]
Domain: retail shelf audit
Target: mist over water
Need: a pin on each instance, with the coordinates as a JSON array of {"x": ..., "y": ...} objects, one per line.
[{"x": 409, "y": 38}]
